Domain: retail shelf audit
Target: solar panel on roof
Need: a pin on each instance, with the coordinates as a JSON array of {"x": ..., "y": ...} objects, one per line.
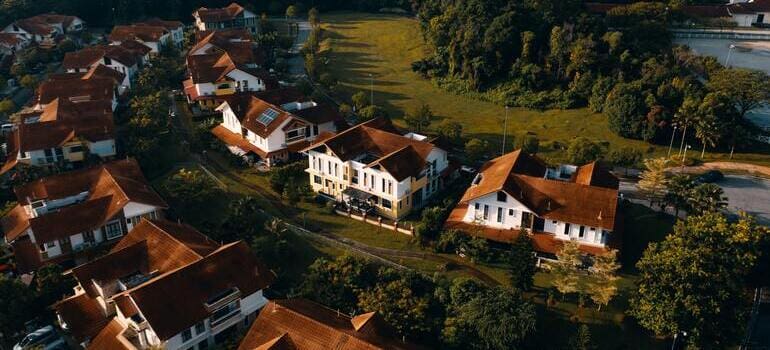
[{"x": 267, "y": 116}]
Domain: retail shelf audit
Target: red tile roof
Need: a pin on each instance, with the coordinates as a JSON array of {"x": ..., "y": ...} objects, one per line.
[
  {"x": 110, "y": 337},
  {"x": 76, "y": 90},
  {"x": 109, "y": 190},
  {"x": 232, "y": 139},
  {"x": 401, "y": 156},
  {"x": 87, "y": 57},
  {"x": 228, "y": 33},
  {"x": 219, "y": 14},
  {"x": 98, "y": 71},
  {"x": 523, "y": 177},
  {"x": 83, "y": 315},
  {"x": 142, "y": 32},
  {"x": 157, "y": 22},
  {"x": 300, "y": 324}
]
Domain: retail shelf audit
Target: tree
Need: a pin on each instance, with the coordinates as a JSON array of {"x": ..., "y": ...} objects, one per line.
[
  {"x": 244, "y": 220},
  {"x": 337, "y": 283},
  {"x": 694, "y": 281},
  {"x": 496, "y": 318},
  {"x": 291, "y": 11},
  {"x": 566, "y": 270},
  {"x": 706, "y": 198},
  {"x": 748, "y": 89},
  {"x": 190, "y": 187},
  {"x": 7, "y": 107},
  {"x": 286, "y": 176},
  {"x": 420, "y": 118},
  {"x": 372, "y": 112},
  {"x": 522, "y": 262},
  {"x": 313, "y": 17},
  {"x": 359, "y": 100},
  {"x": 431, "y": 222},
  {"x": 625, "y": 110},
  {"x": 653, "y": 181},
  {"x": 603, "y": 281},
  {"x": 582, "y": 339},
  {"x": 529, "y": 143},
  {"x": 625, "y": 157},
  {"x": 679, "y": 191},
  {"x": 599, "y": 91},
  {"x": 452, "y": 131},
  {"x": 28, "y": 82},
  {"x": 52, "y": 285},
  {"x": 16, "y": 301},
  {"x": 582, "y": 151},
  {"x": 707, "y": 131},
  {"x": 476, "y": 149},
  {"x": 404, "y": 300}
]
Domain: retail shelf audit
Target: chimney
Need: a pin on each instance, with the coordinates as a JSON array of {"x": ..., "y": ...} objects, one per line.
[
  {"x": 600, "y": 215},
  {"x": 548, "y": 205}
]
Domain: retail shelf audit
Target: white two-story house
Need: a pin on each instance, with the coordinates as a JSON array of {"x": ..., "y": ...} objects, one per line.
[
  {"x": 518, "y": 191},
  {"x": 62, "y": 134},
  {"x": 271, "y": 133},
  {"x": 232, "y": 16},
  {"x": 165, "y": 286},
  {"x": 44, "y": 29},
  {"x": 153, "y": 36},
  {"x": 60, "y": 217},
  {"x": 373, "y": 168}
]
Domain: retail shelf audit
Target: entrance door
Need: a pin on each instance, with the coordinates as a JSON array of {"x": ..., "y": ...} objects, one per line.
[
  {"x": 538, "y": 225},
  {"x": 761, "y": 18}
]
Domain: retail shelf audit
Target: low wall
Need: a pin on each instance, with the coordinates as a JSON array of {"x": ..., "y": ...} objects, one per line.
[{"x": 378, "y": 222}]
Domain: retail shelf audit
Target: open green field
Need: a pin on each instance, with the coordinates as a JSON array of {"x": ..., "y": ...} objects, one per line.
[{"x": 384, "y": 46}]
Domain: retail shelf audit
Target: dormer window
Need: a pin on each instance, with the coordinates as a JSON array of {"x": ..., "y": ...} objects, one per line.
[{"x": 502, "y": 197}]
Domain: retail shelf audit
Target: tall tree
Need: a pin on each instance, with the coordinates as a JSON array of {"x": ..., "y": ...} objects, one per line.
[
  {"x": 420, "y": 118},
  {"x": 748, "y": 89},
  {"x": 694, "y": 281},
  {"x": 603, "y": 281},
  {"x": 678, "y": 192},
  {"x": 653, "y": 180},
  {"x": 581, "y": 150},
  {"x": 522, "y": 262},
  {"x": 582, "y": 339},
  {"x": 566, "y": 269}
]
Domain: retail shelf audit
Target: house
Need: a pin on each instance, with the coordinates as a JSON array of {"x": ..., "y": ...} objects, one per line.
[
  {"x": 272, "y": 133},
  {"x": 164, "y": 286},
  {"x": 153, "y": 36},
  {"x": 62, "y": 134},
  {"x": 10, "y": 43},
  {"x": 232, "y": 16},
  {"x": 77, "y": 90},
  {"x": 175, "y": 28},
  {"x": 97, "y": 71},
  {"x": 116, "y": 57},
  {"x": 221, "y": 65},
  {"x": 59, "y": 217},
  {"x": 44, "y": 29},
  {"x": 518, "y": 191},
  {"x": 300, "y": 324},
  {"x": 373, "y": 168}
]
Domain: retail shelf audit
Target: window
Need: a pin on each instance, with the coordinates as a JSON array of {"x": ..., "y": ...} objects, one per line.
[
  {"x": 76, "y": 149},
  {"x": 204, "y": 344},
  {"x": 329, "y": 167},
  {"x": 186, "y": 335},
  {"x": 500, "y": 215},
  {"x": 476, "y": 206},
  {"x": 486, "y": 212},
  {"x": 107, "y": 61},
  {"x": 267, "y": 116},
  {"x": 133, "y": 221},
  {"x": 383, "y": 185},
  {"x": 113, "y": 230},
  {"x": 335, "y": 170},
  {"x": 48, "y": 152},
  {"x": 501, "y": 196},
  {"x": 593, "y": 229},
  {"x": 386, "y": 204},
  {"x": 390, "y": 187},
  {"x": 582, "y": 231},
  {"x": 50, "y": 244},
  {"x": 88, "y": 236},
  {"x": 245, "y": 84},
  {"x": 317, "y": 179},
  {"x": 511, "y": 212},
  {"x": 315, "y": 129},
  {"x": 200, "y": 328},
  {"x": 292, "y": 134},
  {"x": 355, "y": 177}
]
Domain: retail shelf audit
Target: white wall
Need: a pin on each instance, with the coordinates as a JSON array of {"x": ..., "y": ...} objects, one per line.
[{"x": 254, "y": 83}]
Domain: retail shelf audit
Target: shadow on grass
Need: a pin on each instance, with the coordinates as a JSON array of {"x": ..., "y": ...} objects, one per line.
[{"x": 641, "y": 226}]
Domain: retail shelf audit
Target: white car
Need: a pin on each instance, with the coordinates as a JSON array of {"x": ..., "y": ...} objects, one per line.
[{"x": 44, "y": 338}]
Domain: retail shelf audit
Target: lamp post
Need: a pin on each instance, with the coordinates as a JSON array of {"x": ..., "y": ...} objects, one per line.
[
  {"x": 684, "y": 156},
  {"x": 729, "y": 52},
  {"x": 671, "y": 145},
  {"x": 505, "y": 128},
  {"x": 371, "y": 89}
]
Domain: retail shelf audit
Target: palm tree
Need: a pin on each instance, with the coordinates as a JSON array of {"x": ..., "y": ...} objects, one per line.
[
  {"x": 707, "y": 131},
  {"x": 686, "y": 116},
  {"x": 276, "y": 227},
  {"x": 706, "y": 198}
]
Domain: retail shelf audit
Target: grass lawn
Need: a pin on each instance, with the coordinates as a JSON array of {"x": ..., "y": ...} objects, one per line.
[
  {"x": 384, "y": 46},
  {"x": 641, "y": 225}
]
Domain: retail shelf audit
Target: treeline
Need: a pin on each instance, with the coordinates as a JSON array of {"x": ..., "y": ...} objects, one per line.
[
  {"x": 553, "y": 54},
  {"x": 105, "y": 13}
]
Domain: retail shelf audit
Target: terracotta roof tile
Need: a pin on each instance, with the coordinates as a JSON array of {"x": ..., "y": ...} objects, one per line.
[
  {"x": 219, "y": 14},
  {"x": 232, "y": 139},
  {"x": 93, "y": 89},
  {"x": 110, "y": 337},
  {"x": 303, "y": 325},
  {"x": 83, "y": 315},
  {"x": 146, "y": 33}
]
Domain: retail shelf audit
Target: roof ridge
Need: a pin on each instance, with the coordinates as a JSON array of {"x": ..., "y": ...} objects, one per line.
[
  {"x": 378, "y": 160},
  {"x": 151, "y": 222}
]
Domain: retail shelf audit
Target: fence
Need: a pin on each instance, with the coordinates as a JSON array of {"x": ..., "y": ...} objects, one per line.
[{"x": 378, "y": 222}]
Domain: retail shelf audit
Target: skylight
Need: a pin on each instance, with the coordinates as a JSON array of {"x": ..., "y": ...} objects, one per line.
[{"x": 267, "y": 116}]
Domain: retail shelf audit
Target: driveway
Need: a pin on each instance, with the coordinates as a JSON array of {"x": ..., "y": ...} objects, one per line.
[
  {"x": 297, "y": 62},
  {"x": 748, "y": 193}
]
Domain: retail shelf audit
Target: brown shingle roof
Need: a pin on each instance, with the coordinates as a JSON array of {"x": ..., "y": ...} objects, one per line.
[
  {"x": 98, "y": 71},
  {"x": 319, "y": 114},
  {"x": 228, "y": 33},
  {"x": 157, "y": 22},
  {"x": 301, "y": 324},
  {"x": 590, "y": 201},
  {"x": 61, "y": 121},
  {"x": 110, "y": 337},
  {"x": 87, "y": 57},
  {"x": 83, "y": 315},
  {"x": 135, "y": 47}
]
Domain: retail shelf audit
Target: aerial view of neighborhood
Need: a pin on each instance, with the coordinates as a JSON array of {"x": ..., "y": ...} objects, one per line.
[{"x": 384, "y": 174}]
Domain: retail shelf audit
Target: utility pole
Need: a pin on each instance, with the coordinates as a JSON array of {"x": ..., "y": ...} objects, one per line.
[
  {"x": 505, "y": 129},
  {"x": 671, "y": 145}
]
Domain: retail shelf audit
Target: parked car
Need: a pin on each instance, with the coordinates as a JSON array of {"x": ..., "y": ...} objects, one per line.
[
  {"x": 44, "y": 338},
  {"x": 6, "y": 129},
  {"x": 710, "y": 176}
]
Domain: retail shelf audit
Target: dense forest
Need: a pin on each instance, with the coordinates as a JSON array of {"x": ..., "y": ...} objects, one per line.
[
  {"x": 554, "y": 54},
  {"x": 104, "y": 13}
]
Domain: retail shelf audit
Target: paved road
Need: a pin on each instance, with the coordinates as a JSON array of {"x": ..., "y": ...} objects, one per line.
[{"x": 749, "y": 194}]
